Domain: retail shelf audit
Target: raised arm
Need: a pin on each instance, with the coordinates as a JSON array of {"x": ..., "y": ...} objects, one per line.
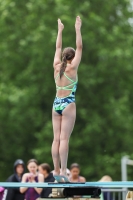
[
  {"x": 57, "y": 57},
  {"x": 78, "y": 54}
]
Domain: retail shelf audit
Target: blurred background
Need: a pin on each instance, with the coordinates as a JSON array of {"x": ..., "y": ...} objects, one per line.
[{"x": 104, "y": 126}]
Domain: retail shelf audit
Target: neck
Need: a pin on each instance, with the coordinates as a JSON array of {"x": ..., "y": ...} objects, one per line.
[
  {"x": 68, "y": 61},
  {"x": 46, "y": 175},
  {"x": 74, "y": 178},
  {"x": 35, "y": 173}
]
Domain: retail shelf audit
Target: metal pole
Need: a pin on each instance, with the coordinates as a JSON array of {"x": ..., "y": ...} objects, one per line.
[{"x": 124, "y": 161}]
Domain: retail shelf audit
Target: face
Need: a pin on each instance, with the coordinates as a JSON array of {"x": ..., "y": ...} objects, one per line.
[
  {"x": 75, "y": 172},
  {"x": 32, "y": 167},
  {"x": 41, "y": 171},
  {"x": 19, "y": 169}
]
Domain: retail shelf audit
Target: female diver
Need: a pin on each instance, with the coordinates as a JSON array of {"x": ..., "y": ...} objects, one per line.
[{"x": 64, "y": 108}]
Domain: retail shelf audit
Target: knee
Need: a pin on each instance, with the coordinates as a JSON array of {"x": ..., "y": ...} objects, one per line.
[
  {"x": 57, "y": 140},
  {"x": 64, "y": 139}
]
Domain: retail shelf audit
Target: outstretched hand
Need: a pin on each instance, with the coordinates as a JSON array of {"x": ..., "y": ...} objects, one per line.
[
  {"x": 60, "y": 25},
  {"x": 78, "y": 23}
]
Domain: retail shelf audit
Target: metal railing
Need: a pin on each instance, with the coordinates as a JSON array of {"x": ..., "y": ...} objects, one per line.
[{"x": 114, "y": 194}]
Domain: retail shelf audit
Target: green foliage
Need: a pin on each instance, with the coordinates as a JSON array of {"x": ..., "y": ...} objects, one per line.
[{"x": 103, "y": 129}]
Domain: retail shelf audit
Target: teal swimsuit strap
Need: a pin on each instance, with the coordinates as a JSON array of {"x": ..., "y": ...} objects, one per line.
[
  {"x": 66, "y": 87},
  {"x": 57, "y": 77},
  {"x": 68, "y": 77}
]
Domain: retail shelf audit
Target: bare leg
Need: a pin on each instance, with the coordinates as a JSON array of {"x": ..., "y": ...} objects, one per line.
[
  {"x": 56, "y": 119},
  {"x": 67, "y": 124}
]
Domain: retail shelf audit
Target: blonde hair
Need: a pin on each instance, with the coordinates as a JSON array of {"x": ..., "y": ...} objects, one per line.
[{"x": 106, "y": 178}]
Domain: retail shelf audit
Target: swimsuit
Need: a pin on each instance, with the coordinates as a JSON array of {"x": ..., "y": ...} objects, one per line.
[
  {"x": 76, "y": 181},
  {"x": 31, "y": 193},
  {"x": 60, "y": 103}
]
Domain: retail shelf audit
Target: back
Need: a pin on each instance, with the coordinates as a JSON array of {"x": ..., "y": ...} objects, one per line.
[{"x": 65, "y": 84}]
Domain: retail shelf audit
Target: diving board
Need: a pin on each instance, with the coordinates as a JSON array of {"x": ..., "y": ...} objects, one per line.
[
  {"x": 113, "y": 184},
  {"x": 66, "y": 190}
]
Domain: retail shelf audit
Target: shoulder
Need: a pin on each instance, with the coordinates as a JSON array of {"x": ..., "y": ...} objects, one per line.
[
  {"x": 72, "y": 67},
  {"x": 25, "y": 176},
  {"x": 82, "y": 179},
  {"x": 57, "y": 67},
  {"x": 10, "y": 178},
  {"x": 40, "y": 177}
]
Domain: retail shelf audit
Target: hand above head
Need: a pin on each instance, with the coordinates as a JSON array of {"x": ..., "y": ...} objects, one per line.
[
  {"x": 78, "y": 23},
  {"x": 60, "y": 25}
]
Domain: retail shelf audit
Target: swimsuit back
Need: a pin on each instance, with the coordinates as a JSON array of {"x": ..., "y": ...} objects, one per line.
[
  {"x": 67, "y": 87},
  {"x": 60, "y": 103}
]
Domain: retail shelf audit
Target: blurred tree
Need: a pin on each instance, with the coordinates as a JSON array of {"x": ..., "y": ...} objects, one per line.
[{"x": 103, "y": 128}]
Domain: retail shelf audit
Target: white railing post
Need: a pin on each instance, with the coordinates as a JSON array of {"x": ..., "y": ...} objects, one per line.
[
  {"x": 124, "y": 161},
  {"x": 124, "y": 174}
]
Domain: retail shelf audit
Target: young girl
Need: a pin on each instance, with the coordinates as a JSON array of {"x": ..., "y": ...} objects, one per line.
[
  {"x": 32, "y": 177},
  {"x": 75, "y": 171},
  {"x": 64, "y": 108}
]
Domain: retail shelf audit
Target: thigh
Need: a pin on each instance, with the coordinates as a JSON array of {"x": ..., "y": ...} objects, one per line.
[
  {"x": 56, "y": 120},
  {"x": 68, "y": 120}
]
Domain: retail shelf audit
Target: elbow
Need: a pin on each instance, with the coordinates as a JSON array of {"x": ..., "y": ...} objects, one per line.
[
  {"x": 40, "y": 191},
  {"x": 80, "y": 47},
  {"x": 58, "y": 47},
  {"x": 20, "y": 190}
]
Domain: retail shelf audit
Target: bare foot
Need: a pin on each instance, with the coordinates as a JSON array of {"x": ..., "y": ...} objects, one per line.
[{"x": 56, "y": 173}]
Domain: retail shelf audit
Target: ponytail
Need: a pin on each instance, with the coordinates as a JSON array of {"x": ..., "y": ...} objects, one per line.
[
  {"x": 63, "y": 65},
  {"x": 67, "y": 54}
]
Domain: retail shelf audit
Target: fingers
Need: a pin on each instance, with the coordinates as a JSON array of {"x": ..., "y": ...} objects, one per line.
[
  {"x": 78, "y": 22},
  {"x": 78, "y": 18},
  {"x": 60, "y": 25},
  {"x": 59, "y": 21}
]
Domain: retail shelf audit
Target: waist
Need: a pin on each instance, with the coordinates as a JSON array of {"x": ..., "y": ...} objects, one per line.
[
  {"x": 63, "y": 95},
  {"x": 64, "y": 99}
]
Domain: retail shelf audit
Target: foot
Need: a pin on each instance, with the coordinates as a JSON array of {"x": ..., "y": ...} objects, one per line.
[
  {"x": 56, "y": 172},
  {"x": 59, "y": 178}
]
